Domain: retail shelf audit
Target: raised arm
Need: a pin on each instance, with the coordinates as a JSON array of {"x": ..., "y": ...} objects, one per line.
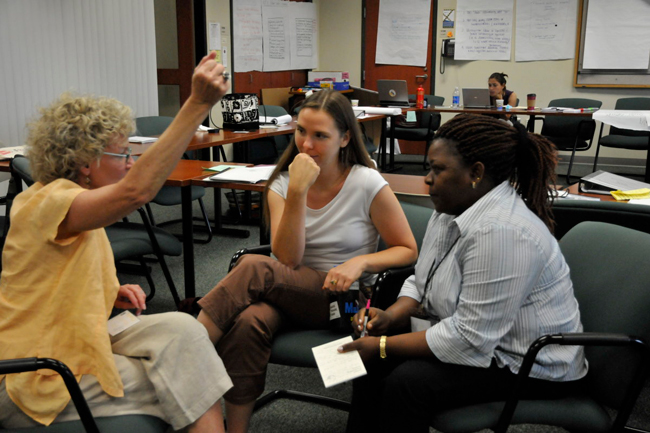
[
  {"x": 389, "y": 219},
  {"x": 102, "y": 206},
  {"x": 288, "y": 215}
]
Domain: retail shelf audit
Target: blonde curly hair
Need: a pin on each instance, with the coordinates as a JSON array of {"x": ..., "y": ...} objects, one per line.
[{"x": 71, "y": 132}]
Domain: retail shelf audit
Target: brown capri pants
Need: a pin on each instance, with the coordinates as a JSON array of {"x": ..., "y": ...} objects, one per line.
[{"x": 250, "y": 304}]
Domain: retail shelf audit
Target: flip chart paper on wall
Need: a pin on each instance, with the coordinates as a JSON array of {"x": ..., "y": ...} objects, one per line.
[
  {"x": 403, "y": 32},
  {"x": 483, "y": 29},
  {"x": 247, "y": 40},
  {"x": 546, "y": 30},
  {"x": 303, "y": 32},
  {"x": 275, "y": 23}
]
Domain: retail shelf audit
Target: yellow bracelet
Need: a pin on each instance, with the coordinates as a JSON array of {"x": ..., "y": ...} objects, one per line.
[{"x": 382, "y": 347}]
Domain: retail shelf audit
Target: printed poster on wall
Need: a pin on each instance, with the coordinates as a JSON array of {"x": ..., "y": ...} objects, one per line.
[
  {"x": 484, "y": 29},
  {"x": 403, "y": 32}
]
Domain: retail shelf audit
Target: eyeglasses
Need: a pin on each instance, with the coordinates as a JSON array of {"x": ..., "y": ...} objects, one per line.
[{"x": 125, "y": 155}]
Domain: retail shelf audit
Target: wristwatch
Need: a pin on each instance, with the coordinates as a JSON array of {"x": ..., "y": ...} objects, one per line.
[{"x": 382, "y": 347}]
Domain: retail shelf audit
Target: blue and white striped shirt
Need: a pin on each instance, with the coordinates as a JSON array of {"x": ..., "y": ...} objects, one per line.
[{"x": 504, "y": 284}]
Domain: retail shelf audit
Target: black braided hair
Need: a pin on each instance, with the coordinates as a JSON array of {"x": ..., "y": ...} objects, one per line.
[{"x": 511, "y": 153}]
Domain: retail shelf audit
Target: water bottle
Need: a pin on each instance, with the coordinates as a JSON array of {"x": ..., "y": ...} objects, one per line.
[{"x": 456, "y": 99}]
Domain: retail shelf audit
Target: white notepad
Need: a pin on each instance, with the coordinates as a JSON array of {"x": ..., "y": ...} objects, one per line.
[
  {"x": 338, "y": 367},
  {"x": 244, "y": 174}
]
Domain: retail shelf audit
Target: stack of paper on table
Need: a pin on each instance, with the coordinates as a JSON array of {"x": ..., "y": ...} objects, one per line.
[
  {"x": 338, "y": 367},
  {"x": 244, "y": 174},
  {"x": 602, "y": 182},
  {"x": 10, "y": 152},
  {"x": 138, "y": 139}
]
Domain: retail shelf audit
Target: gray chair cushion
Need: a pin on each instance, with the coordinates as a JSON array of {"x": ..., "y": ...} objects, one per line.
[{"x": 293, "y": 347}]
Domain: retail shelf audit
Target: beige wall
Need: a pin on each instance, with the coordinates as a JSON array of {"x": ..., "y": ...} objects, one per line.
[{"x": 339, "y": 34}]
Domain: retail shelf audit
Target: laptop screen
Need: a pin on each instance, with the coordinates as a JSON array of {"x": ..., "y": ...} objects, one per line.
[
  {"x": 393, "y": 93},
  {"x": 476, "y": 97}
]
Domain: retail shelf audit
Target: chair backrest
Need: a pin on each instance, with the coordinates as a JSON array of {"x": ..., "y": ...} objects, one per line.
[
  {"x": 611, "y": 281},
  {"x": 418, "y": 218},
  {"x": 272, "y": 110},
  {"x": 569, "y": 127},
  {"x": 568, "y": 213},
  {"x": 152, "y": 125},
  {"x": 430, "y": 118},
  {"x": 630, "y": 104},
  {"x": 21, "y": 169}
]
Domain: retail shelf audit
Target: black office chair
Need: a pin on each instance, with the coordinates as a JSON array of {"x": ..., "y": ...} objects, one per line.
[
  {"x": 625, "y": 138},
  {"x": 171, "y": 195},
  {"x": 570, "y": 133},
  {"x": 86, "y": 423},
  {"x": 129, "y": 241},
  {"x": 569, "y": 213},
  {"x": 428, "y": 122},
  {"x": 292, "y": 347},
  {"x": 610, "y": 280}
]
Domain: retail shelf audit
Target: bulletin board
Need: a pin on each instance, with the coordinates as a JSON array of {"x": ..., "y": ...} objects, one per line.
[{"x": 592, "y": 77}]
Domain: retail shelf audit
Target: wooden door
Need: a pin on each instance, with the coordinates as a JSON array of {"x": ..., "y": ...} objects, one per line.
[{"x": 373, "y": 72}]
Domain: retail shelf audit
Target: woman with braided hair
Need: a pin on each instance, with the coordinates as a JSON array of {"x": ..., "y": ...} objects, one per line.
[{"x": 489, "y": 281}]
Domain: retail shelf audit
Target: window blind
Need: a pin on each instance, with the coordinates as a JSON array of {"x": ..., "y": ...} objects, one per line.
[{"x": 101, "y": 47}]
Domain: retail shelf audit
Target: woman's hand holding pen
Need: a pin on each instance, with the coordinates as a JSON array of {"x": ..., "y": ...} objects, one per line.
[{"x": 378, "y": 322}]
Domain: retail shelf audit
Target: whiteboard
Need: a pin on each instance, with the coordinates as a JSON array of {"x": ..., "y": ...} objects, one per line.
[{"x": 592, "y": 69}]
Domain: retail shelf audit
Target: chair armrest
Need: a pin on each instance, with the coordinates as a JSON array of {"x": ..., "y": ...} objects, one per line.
[
  {"x": 261, "y": 249},
  {"x": 388, "y": 285},
  {"x": 581, "y": 339},
  {"x": 11, "y": 366}
]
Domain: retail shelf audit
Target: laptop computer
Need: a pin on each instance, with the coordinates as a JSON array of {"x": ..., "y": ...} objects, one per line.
[
  {"x": 476, "y": 97},
  {"x": 393, "y": 93}
]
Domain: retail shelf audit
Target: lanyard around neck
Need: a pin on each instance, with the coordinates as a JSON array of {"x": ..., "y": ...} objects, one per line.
[{"x": 434, "y": 267}]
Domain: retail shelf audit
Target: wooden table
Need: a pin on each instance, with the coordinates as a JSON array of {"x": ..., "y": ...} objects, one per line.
[{"x": 182, "y": 177}]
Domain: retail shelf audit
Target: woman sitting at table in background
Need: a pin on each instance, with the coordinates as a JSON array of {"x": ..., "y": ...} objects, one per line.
[
  {"x": 326, "y": 208},
  {"x": 490, "y": 280},
  {"x": 497, "y": 86},
  {"x": 59, "y": 283}
]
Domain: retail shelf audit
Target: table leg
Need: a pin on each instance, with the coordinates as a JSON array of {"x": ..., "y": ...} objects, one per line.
[
  {"x": 646, "y": 178},
  {"x": 218, "y": 228},
  {"x": 382, "y": 145},
  {"x": 188, "y": 241}
]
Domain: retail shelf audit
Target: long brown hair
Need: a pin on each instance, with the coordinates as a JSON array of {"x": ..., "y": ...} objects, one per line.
[
  {"x": 340, "y": 109},
  {"x": 511, "y": 153}
]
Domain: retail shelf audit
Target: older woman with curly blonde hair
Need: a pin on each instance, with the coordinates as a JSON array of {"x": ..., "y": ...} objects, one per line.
[{"x": 59, "y": 285}]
